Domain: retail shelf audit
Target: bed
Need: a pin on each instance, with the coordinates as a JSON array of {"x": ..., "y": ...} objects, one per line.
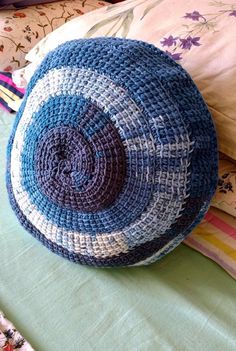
[{"x": 184, "y": 302}]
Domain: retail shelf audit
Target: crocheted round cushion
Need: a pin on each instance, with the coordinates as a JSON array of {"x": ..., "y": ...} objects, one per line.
[{"x": 113, "y": 157}]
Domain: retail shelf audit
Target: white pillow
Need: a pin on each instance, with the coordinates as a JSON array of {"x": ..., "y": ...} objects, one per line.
[{"x": 200, "y": 35}]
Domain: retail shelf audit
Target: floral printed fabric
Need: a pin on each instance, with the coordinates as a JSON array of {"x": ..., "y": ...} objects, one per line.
[
  {"x": 225, "y": 197},
  {"x": 10, "y": 338},
  {"x": 21, "y": 29},
  {"x": 196, "y": 24},
  {"x": 199, "y": 35}
]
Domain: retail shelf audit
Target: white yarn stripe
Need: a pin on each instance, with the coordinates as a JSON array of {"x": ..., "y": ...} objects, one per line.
[
  {"x": 167, "y": 150},
  {"x": 163, "y": 207}
]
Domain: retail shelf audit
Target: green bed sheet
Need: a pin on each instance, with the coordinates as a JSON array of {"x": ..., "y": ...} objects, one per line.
[{"x": 184, "y": 302}]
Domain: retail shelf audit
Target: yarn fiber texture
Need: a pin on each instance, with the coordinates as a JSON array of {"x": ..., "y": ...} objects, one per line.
[{"x": 112, "y": 159}]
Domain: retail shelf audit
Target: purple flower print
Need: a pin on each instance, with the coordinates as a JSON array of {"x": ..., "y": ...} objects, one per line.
[
  {"x": 195, "y": 15},
  {"x": 189, "y": 41},
  {"x": 169, "y": 41},
  {"x": 175, "y": 55},
  {"x": 233, "y": 13}
]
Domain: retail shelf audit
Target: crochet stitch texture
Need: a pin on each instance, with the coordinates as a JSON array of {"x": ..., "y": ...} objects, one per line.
[{"x": 112, "y": 159}]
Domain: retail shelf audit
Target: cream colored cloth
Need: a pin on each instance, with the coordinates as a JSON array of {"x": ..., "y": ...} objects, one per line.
[
  {"x": 201, "y": 34},
  {"x": 225, "y": 196},
  {"x": 10, "y": 338}
]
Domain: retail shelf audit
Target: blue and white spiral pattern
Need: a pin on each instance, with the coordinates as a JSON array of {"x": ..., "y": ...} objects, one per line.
[{"x": 112, "y": 159}]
